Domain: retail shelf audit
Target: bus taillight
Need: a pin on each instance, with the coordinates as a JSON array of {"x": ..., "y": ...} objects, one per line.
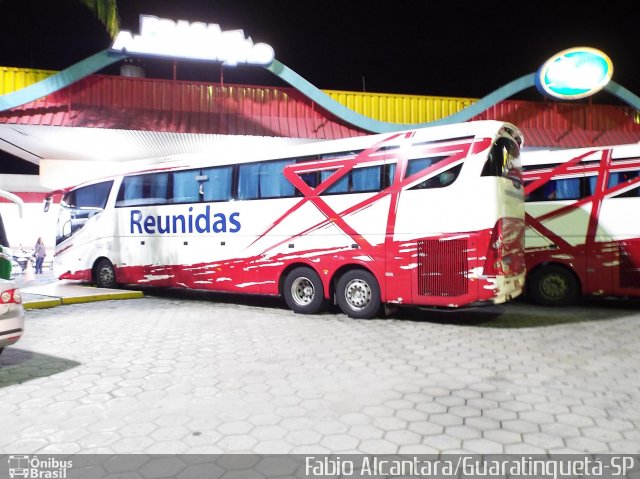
[
  {"x": 494, "y": 264},
  {"x": 505, "y": 254}
]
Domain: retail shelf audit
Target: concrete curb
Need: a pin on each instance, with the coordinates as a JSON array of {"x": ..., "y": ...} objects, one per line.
[
  {"x": 42, "y": 303},
  {"x": 51, "y": 302},
  {"x": 103, "y": 297}
]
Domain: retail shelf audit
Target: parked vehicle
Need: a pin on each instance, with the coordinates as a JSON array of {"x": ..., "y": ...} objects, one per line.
[
  {"x": 430, "y": 217},
  {"x": 7, "y": 260},
  {"x": 583, "y": 231},
  {"x": 11, "y": 314}
]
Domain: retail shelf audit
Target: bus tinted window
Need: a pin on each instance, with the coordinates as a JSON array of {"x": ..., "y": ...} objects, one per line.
[
  {"x": 621, "y": 177},
  {"x": 340, "y": 186},
  {"x": 565, "y": 189},
  {"x": 358, "y": 180},
  {"x": 217, "y": 185},
  {"x": 92, "y": 196},
  {"x": 503, "y": 160},
  {"x": 418, "y": 164},
  {"x": 186, "y": 187},
  {"x": 440, "y": 181},
  {"x": 311, "y": 179},
  {"x": 264, "y": 180},
  {"x": 143, "y": 189}
]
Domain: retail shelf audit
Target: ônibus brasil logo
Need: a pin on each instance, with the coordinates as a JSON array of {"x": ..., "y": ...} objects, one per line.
[{"x": 36, "y": 468}]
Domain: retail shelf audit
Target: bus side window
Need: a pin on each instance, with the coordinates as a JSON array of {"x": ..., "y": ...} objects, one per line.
[
  {"x": 567, "y": 189},
  {"x": 273, "y": 184},
  {"x": 148, "y": 189},
  {"x": 340, "y": 186},
  {"x": 311, "y": 179},
  {"x": 591, "y": 185},
  {"x": 358, "y": 180},
  {"x": 130, "y": 191},
  {"x": 416, "y": 165},
  {"x": 442, "y": 180},
  {"x": 620, "y": 177},
  {"x": 186, "y": 188},
  {"x": 264, "y": 180},
  {"x": 218, "y": 184},
  {"x": 535, "y": 195},
  {"x": 365, "y": 179}
]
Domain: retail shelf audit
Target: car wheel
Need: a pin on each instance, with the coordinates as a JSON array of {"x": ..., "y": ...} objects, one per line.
[
  {"x": 553, "y": 285},
  {"x": 105, "y": 274},
  {"x": 358, "y": 294},
  {"x": 303, "y": 291}
]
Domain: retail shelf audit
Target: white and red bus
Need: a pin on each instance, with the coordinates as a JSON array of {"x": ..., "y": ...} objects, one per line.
[
  {"x": 431, "y": 217},
  {"x": 583, "y": 223}
]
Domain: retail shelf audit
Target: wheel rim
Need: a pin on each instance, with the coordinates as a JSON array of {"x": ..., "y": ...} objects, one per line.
[
  {"x": 106, "y": 276},
  {"x": 554, "y": 287},
  {"x": 357, "y": 293},
  {"x": 302, "y": 291}
]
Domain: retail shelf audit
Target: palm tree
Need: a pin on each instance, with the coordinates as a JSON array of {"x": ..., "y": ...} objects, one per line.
[{"x": 107, "y": 12}]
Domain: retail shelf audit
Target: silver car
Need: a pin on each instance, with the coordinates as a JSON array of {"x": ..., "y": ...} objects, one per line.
[{"x": 11, "y": 313}]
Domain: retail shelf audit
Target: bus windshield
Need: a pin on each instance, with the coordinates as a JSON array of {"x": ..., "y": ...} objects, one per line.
[{"x": 78, "y": 205}]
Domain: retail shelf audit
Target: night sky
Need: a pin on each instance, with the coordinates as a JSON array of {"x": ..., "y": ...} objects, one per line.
[{"x": 444, "y": 48}]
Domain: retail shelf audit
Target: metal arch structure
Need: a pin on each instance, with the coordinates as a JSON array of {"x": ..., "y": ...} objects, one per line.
[
  {"x": 59, "y": 80},
  {"x": 106, "y": 58}
]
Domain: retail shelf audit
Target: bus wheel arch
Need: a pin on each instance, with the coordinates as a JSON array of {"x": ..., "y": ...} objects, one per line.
[
  {"x": 302, "y": 289},
  {"x": 553, "y": 284},
  {"x": 104, "y": 273},
  {"x": 357, "y": 292}
]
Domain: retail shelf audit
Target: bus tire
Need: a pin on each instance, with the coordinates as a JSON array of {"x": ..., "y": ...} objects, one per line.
[
  {"x": 358, "y": 294},
  {"x": 553, "y": 285},
  {"x": 303, "y": 291},
  {"x": 105, "y": 274}
]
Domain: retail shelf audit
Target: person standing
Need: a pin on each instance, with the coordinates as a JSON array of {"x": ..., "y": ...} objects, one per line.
[{"x": 40, "y": 252}]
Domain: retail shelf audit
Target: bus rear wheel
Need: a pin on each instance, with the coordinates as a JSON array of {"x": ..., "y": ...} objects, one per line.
[
  {"x": 303, "y": 291},
  {"x": 105, "y": 274},
  {"x": 553, "y": 286},
  {"x": 358, "y": 294}
]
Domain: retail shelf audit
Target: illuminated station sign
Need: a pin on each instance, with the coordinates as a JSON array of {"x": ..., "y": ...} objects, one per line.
[
  {"x": 575, "y": 73},
  {"x": 193, "y": 41}
]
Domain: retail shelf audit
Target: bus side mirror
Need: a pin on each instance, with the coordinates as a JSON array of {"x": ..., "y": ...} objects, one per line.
[{"x": 47, "y": 203}]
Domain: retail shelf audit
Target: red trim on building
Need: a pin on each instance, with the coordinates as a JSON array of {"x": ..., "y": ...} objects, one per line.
[{"x": 103, "y": 101}]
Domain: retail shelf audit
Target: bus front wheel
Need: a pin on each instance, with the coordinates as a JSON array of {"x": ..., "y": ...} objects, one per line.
[
  {"x": 105, "y": 274},
  {"x": 303, "y": 291},
  {"x": 553, "y": 285},
  {"x": 358, "y": 294}
]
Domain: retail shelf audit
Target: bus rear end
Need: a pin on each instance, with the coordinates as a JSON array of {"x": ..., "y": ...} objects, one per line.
[
  {"x": 503, "y": 269},
  {"x": 460, "y": 242}
]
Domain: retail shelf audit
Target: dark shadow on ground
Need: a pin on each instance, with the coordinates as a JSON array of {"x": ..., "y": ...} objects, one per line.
[
  {"x": 216, "y": 297},
  {"x": 522, "y": 314},
  {"x": 515, "y": 314},
  {"x": 19, "y": 366}
]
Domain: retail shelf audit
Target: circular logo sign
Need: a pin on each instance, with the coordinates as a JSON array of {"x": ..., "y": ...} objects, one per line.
[{"x": 575, "y": 73}]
